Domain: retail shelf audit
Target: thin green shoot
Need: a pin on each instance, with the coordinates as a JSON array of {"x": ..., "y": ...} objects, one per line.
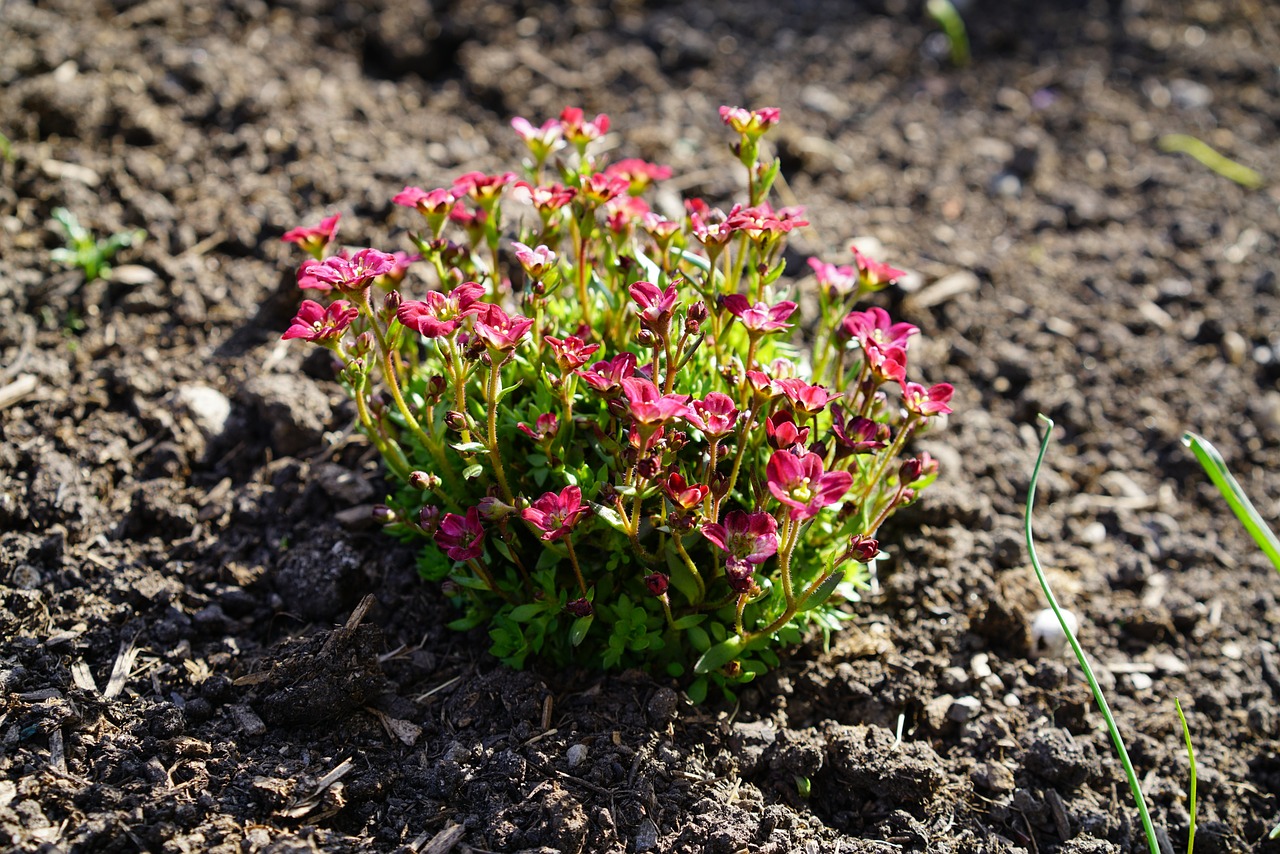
[
  {"x": 1230, "y": 488},
  {"x": 6, "y": 148},
  {"x": 1098, "y": 696},
  {"x": 1191, "y": 790},
  {"x": 91, "y": 254},
  {"x": 946, "y": 16},
  {"x": 1181, "y": 143}
]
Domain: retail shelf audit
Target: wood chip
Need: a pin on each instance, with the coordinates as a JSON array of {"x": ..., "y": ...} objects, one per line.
[
  {"x": 120, "y": 670},
  {"x": 17, "y": 390},
  {"x": 406, "y": 731},
  {"x": 444, "y": 841},
  {"x": 82, "y": 676}
]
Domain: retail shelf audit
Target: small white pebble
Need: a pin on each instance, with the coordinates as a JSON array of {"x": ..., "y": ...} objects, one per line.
[
  {"x": 1095, "y": 534},
  {"x": 1141, "y": 681},
  {"x": 1012, "y": 701},
  {"x": 576, "y": 755},
  {"x": 980, "y": 666},
  {"x": 1232, "y": 650},
  {"x": 1047, "y": 637}
]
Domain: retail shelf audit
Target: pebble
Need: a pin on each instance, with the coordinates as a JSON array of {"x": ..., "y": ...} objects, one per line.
[
  {"x": 1232, "y": 650},
  {"x": 964, "y": 708},
  {"x": 646, "y": 836},
  {"x": 576, "y": 755},
  {"x": 1094, "y": 534},
  {"x": 209, "y": 408},
  {"x": 1141, "y": 681},
  {"x": 1047, "y": 637},
  {"x": 1012, "y": 701},
  {"x": 980, "y": 666}
]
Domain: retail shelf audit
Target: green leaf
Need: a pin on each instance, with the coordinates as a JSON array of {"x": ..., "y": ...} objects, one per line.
[
  {"x": 470, "y": 621},
  {"x": 580, "y": 628},
  {"x": 822, "y": 593},
  {"x": 1235, "y": 496},
  {"x": 699, "y": 638},
  {"x": 470, "y": 447},
  {"x": 525, "y": 613},
  {"x": 611, "y": 517},
  {"x": 472, "y": 582},
  {"x": 472, "y": 471},
  {"x": 696, "y": 260},
  {"x": 719, "y": 655},
  {"x": 698, "y": 690},
  {"x": 681, "y": 578},
  {"x": 688, "y": 621}
]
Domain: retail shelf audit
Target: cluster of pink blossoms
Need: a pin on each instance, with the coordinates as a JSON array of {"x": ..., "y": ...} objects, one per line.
[{"x": 616, "y": 378}]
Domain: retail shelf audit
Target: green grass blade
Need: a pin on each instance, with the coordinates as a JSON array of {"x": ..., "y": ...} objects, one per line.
[
  {"x": 1098, "y": 696},
  {"x": 945, "y": 14},
  {"x": 1191, "y": 789},
  {"x": 1230, "y": 488},
  {"x": 1181, "y": 143}
]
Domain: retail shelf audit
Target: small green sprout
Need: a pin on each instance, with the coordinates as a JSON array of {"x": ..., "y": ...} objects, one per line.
[
  {"x": 803, "y": 786},
  {"x": 1191, "y": 789},
  {"x": 1181, "y": 143},
  {"x": 1098, "y": 696},
  {"x": 944, "y": 13},
  {"x": 6, "y": 148},
  {"x": 92, "y": 255}
]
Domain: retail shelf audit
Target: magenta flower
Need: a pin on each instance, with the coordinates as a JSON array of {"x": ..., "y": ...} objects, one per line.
[
  {"x": 835, "y": 281},
  {"x": 316, "y": 323},
  {"x": 535, "y": 262},
  {"x": 762, "y": 222},
  {"x": 439, "y": 314},
  {"x": 931, "y": 401},
  {"x": 500, "y": 331},
  {"x": 656, "y": 306},
  {"x": 659, "y": 228},
  {"x": 547, "y": 199},
  {"x": 747, "y": 539},
  {"x": 598, "y": 188},
  {"x": 715, "y": 415},
  {"x": 875, "y": 274},
  {"x": 434, "y": 203},
  {"x": 314, "y": 238},
  {"x": 684, "y": 495},
  {"x": 762, "y": 387},
  {"x": 571, "y": 353},
  {"x": 857, "y": 435},
  {"x": 607, "y": 376},
  {"x": 349, "y": 275},
  {"x": 782, "y": 433},
  {"x": 401, "y": 267},
  {"x": 750, "y": 123},
  {"x": 800, "y": 483},
  {"x": 639, "y": 174},
  {"x": 874, "y": 326},
  {"x": 651, "y": 407},
  {"x": 804, "y": 398},
  {"x": 461, "y": 538},
  {"x": 556, "y": 515},
  {"x": 621, "y": 211},
  {"x": 761, "y": 317},
  {"x": 709, "y": 226},
  {"x": 578, "y": 130},
  {"x": 483, "y": 188},
  {"x": 544, "y": 428}
]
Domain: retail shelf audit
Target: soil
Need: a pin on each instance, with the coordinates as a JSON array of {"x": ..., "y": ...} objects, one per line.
[{"x": 188, "y": 659}]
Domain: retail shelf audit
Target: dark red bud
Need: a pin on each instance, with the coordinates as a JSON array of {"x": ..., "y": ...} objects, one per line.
[
  {"x": 455, "y": 421},
  {"x": 429, "y": 519},
  {"x": 391, "y": 302},
  {"x": 697, "y": 312},
  {"x": 656, "y": 583},
  {"x": 910, "y": 470},
  {"x": 578, "y": 607}
]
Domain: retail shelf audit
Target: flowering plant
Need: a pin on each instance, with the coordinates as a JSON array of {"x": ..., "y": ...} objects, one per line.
[{"x": 614, "y": 443}]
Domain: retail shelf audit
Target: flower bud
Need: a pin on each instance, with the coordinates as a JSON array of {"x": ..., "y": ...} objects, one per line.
[
  {"x": 391, "y": 302},
  {"x": 648, "y": 467},
  {"x": 429, "y": 519},
  {"x": 436, "y": 387},
  {"x": 579, "y": 607},
  {"x": 382, "y": 514},
  {"x": 657, "y": 583},
  {"x": 606, "y": 493},
  {"x": 455, "y": 420},
  {"x": 861, "y": 549},
  {"x": 646, "y": 338},
  {"x": 423, "y": 480},
  {"x": 697, "y": 312},
  {"x": 909, "y": 471},
  {"x": 450, "y": 588},
  {"x": 493, "y": 509}
]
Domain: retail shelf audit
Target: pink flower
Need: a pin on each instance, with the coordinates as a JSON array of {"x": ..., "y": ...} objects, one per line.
[
  {"x": 347, "y": 275},
  {"x": 656, "y": 306},
  {"x": 782, "y": 433},
  {"x": 556, "y": 515},
  {"x": 598, "y": 188},
  {"x": 804, "y": 398},
  {"x": 544, "y": 428},
  {"x": 715, "y": 415},
  {"x": 651, "y": 407},
  {"x": 748, "y": 539},
  {"x": 684, "y": 495},
  {"x": 760, "y": 317},
  {"x": 434, "y": 203},
  {"x": 763, "y": 222},
  {"x": 800, "y": 483},
  {"x": 708, "y": 224},
  {"x": 461, "y": 538},
  {"x": 750, "y": 123},
  {"x": 931, "y": 401},
  {"x": 876, "y": 327},
  {"x": 316, "y": 323},
  {"x": 499, "y": 330},
  {"x": 659, "y": 228},
  {"x": 535, "y": 262},
  {"x": 836, "y": 281},
  {"x": 547, "y": 199},
  {"x": 608, "y": 375},
  {"x": 578, "y": 130},
  {"x": 481, "y": 187},
  {"x": 762, "y": 387},
  {"x": 438, "y": 315},
  {"x": 314, "y": 238},
  {"x": 571, "y": 353},
  {"x": 639, "y": 174},
  {"x": 875, "y": 274},
  {"x": 541, "y": 141},
  {"x": 621, "y": 211},
  {"x": 401, "y": 268}
]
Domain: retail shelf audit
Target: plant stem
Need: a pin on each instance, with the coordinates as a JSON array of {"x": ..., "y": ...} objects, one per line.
[
  {"x": 495, "y": 453},
  {"x": 693, "y": 570},
  {"x": 573, "y": 559}
]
